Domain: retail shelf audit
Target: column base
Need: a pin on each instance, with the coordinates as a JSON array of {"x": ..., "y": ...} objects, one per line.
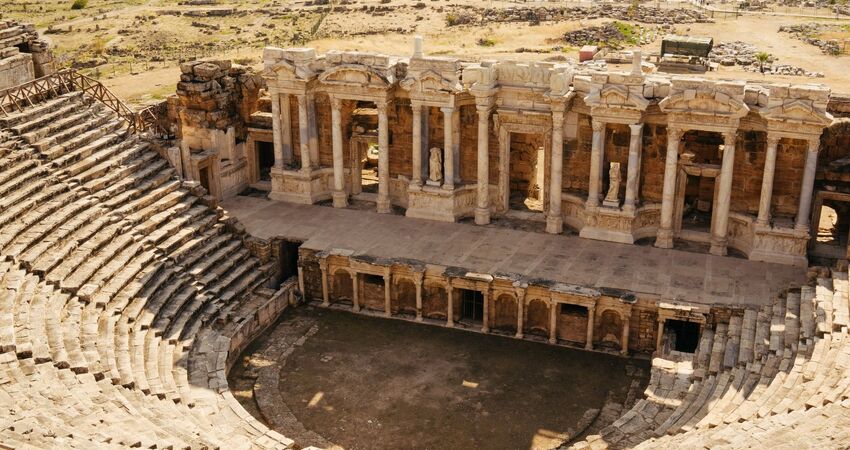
[
  {"x": 718, "y": 247},
  {"x": 388, "y": 314},
  {"x": 340, "y": 199},
  {"x": 356, "y": 308},
  {"x": 419, "y": 318},
  {"x": 450, "y": 324},
  {"x": 384, "y": 205},
  {"x": 554, "y": 224},
  {"x": 485, "y": 329},
  {"x": 325, "y": 304},
  {"x": 588, "y": 346},
  {"x": 553, "y": 341},
  {"x": 519, "y": 335},
  {"x": 482, "y": 216},
  {"x": 664, "y": 239}
]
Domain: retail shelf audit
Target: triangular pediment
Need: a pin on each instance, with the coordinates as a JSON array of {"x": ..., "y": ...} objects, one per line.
[
  {"x": 798, "y": 110},
  {"x": 704, "y": 103},
  {"x": 283, "y": 70},
  {"x": 354, "y": 75},
  {"x": 616, "y": 96}
]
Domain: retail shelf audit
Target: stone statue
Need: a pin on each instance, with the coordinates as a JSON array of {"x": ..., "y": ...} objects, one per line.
[
  {"x": 611, "y": 199},
  {"x": 435, "y": 166}
]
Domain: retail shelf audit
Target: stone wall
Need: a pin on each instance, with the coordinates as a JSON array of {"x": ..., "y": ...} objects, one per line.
[
  {"x": 23, "y": 57},
  {"x": 15, "y": 67},
  {"x": 652, "y": 162}
]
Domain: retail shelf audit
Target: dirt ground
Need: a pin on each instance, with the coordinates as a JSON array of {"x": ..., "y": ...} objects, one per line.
[
  {"x": 372, "y": 383},
  {"x": 134, "y": 46}
]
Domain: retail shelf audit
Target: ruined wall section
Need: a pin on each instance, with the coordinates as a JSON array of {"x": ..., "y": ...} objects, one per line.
[{"x": 23, "y": 56}]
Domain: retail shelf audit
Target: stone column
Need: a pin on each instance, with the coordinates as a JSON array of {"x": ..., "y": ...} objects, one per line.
[
  {"x": 355, "y": 291},
  {"x": 668, "y": 194},
  {"x": 520, "y": 308},
  {"x": 285, "y": 130},
  {"x": 553, "y": 322},
  {"x": 658, "y": 337},
  {"x": 416, "y": 178},
  {"x": 767, "y": 180},
  {"x": 624, "y": 339},
  {"x": 301, "y": 283},
  {"x": 482, "y": 211},
  {"x": 804, "y": 208},
  {"x": 591, "y": 318},
  {"x": 303, "y": 134},
  {"x": 724, "y": 196},
  {"x": 383, "y": 159},
  {"x": 277, "y": 130},
  {"x": 555, "y": 220},
  {"x": 597, "y": 155},
  {"x": 388, "y": 292},
  {"x": 340, "y": 199},
  {"x": 633, "y": 171},
  {"x": 417, "y": 278},
  {"x": 450, "y": 319},
  {"x": 323, "y": 266},
  {"x": 485, "y": 319},
  {"x": 448, "y": 149},
  {"x": 313, "y": 129}
]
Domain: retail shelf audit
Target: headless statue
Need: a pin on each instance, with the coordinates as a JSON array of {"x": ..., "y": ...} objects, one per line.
[
  {"x": 435, "y": 166},
  {"x": 611, "y": 198}
]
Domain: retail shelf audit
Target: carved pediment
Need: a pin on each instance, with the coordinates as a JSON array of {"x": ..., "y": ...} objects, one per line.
[
  {"x": 616, "y": 96},
  {"x": 284, "y": 70},
  {"x": 709, "y": 103},
  {"x": 798, "y": 110},
  {"x": 355, "y": 75},
  {"x": 430, "y": 82}
]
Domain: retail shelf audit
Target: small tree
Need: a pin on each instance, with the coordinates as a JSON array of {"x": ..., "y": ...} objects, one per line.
[
  {"x": 79, "y": 4},
  {"x": 762, "y": 57}
]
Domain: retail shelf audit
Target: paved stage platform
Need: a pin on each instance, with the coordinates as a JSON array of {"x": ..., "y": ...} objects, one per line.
[{"x": 670, "y": 274}]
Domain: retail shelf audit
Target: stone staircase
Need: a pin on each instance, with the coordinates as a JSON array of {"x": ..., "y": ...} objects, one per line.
[
  {"x": 120, "y": 292},
  {"x": 778, "y": 377}
]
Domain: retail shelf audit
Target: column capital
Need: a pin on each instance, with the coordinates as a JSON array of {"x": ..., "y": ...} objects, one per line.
[
  {"x": 416, "y": 107},
  {"x": 302, "y": 99},
  {"x": 483, "y": 110},
  {"x": 382, "y": 105},
  {"x": 814, "y": 144},
  {"x": 559, "y": 106},
  {"x": 354, "y": 275},
  {"x": 729, "y": 138},
  {"x": 418, "y": 277},
  {"x": 387, "y": 272},
  {"x": 674, "y": 132},
  {"x": 636, "y": 128},
  {"x": 447, "y": 109},
  {"x": 336, "y": 103},
  {"x": 598, "y": 125},
  {"x": 323, "y": 265},
  {"x": 772, "y": 139}
]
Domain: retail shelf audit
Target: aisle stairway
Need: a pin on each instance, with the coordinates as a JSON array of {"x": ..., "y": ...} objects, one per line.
[
  {"x": 119, "y": 291},
  {"x": 778, "y": 377}
]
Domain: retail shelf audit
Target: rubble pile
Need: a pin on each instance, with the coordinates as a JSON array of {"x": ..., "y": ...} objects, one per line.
[
  {"x": 742, "y": 54},
  {"x": 537, "y": 14},
  {"x": 612, "y": 35},
  {"x": 808, "y": 33}
]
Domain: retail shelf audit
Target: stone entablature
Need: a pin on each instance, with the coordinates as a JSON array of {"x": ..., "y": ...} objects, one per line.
[{"x": 418, "y": 95}]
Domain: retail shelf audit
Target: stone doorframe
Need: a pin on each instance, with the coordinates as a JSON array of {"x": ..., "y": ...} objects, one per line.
[
  {"x": 701, "y": 170},
  {"x": 820, "y": 196},
  {"x": 256, "y": 135},
  {"x": 356, "y": 145},
  {"x": 685, "y": 312},
  {"x": 505, "y": 127}
]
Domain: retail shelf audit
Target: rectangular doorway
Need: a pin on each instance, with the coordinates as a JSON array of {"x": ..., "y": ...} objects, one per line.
[
  {"x": 698, "y": 204},
  {"x": 204, "y": 175},
  {"x": 265, "y": 160},
  {"x": 683, "y": 336},
  {"x": 526, "y": 172},
  {"x": 288, "y": 259},
  {"x": 471, "y": 305}
]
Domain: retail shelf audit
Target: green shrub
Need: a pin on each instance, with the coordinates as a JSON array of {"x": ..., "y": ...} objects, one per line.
[
  {"x": 79, "y": 4},
  {"x": 486, "y": 42}
]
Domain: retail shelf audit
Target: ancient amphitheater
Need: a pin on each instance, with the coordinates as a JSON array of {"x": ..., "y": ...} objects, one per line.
[{"x": 133, "y": 276}]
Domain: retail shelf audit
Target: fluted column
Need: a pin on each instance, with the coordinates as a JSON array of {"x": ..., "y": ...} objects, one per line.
[
  {"x": 285, "y": 130},
  {"x": 416, "y": 155},
  {"x": 323, "y": 266},
  {"x": 804, "y": 208},
  {"x": 520, "y": 308},
  {"x": 767, "y": 180},
  {"x": 383, "y": 159},
  {"x": 668, "y": 194},
  {"x": 388, "y": 292},
  {"x": 417, "y": 278},
  {"x": 553, "y": 322},
  {"x": 448, "y": 149},
  {"x": 313, "y": 130},
  {"x": 277, "y": 130},
  {"x": 450, "y": 319},
  {"x": 482, "y": 211},
  {"x": 633, "y": 171},
  {"x": 340, "y": 199},
  {"x": 591, "y": 318},
  {"x": 724, "y": 196},
  {"x": 355, "y": 291},
  {"x": 555, "y": 220},
  {"x": 485, "y": 319},
  {"x": 303, "y": 133},
  {"x": 597, "y": 154}
]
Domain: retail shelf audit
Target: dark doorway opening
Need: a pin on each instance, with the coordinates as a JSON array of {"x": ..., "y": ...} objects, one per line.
[
  {"x": 699, "y": 199},
  {"x": 205, "y": 179},
  {"x": 471, "y": 305},
  {"x": 288, "y": 260},
  {"x": 683, "y": 336},
  {"x": 265, "y": 160}
]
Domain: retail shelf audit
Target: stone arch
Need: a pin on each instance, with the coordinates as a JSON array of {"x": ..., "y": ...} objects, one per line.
[
  {"x": 610, "y": 329},
  {"x": 537, "y": 317},
  {"x": 434, "y": 301},
  {"x": 342, "y": 287},
  {"x": 503, "y": 316},
  {"x": 404, "y": 296}
]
